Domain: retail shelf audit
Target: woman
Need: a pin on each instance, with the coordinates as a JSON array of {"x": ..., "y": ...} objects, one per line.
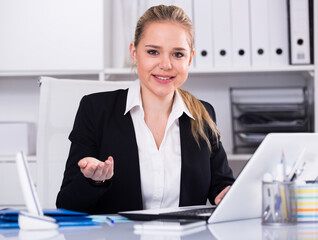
[{"x": 153, "y": 145}]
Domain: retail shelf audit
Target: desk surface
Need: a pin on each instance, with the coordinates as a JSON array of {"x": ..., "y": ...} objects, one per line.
[{"x": 247, "y": 229}]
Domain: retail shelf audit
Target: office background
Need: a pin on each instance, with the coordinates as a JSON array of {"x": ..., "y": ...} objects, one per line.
[{"x": 85, "y": 39}]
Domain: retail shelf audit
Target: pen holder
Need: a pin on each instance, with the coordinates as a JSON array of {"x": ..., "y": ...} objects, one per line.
[
  {"x": 307, "y": 202},
  {"x": 279, "y": 205}
]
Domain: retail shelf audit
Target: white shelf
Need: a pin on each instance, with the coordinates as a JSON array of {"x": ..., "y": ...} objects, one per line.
[
  {"x": 131, "y": 71},
  {"x": 262, "y": 69},
  {"x": 11, "y": 158},
  {"x": 48, "y": 73},
  {"x": 230, "y": 70}
]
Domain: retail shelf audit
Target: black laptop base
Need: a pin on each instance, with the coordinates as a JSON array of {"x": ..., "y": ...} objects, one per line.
[{"x": 193, "y": 214}]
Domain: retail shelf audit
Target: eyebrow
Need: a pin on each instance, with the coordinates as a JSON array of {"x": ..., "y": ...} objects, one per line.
[{"x": 157, "y": 47}]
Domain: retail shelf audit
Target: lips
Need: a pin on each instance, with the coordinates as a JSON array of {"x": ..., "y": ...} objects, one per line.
[{"x": 163, "y": 78}]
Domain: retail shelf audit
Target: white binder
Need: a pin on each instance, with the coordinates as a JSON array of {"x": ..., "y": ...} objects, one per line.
[
  {"x": 151, "y": 3},
  {"x": 221, "y": 20},
  {"x": 259, "y": 32},
  {"x": 130, "y": 16},
  {"x": 278, "y": 32},
  {"x": 299, "y": 31},
  {"x": 203, "y": 33},
  {"x": 186, "y": 5},
  {"x": 240, "y": 32},
  {"x": 118, "y": 37}
]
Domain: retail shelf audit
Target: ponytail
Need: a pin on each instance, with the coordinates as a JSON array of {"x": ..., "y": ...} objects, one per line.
[{"x": 202, "y": 119}]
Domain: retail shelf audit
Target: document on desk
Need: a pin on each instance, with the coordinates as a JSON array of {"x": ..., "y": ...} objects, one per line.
[
  {"x": 169, "y": 227},
  {"x": 105, "y": 218}
]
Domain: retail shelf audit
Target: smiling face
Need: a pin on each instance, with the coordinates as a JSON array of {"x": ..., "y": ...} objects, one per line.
[{"x": 163, "y": 56}]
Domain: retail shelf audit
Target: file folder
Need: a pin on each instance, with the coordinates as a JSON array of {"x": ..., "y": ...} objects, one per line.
[
  {"x": 299, "y": 31},
  {"x": 64, "y": 218},
  {"x": 278, "y": 32},
  {"x": 259, "y": 32},
  {"x": 240, "y": 32},
  {"x": 221, "y": 20},
  {"x": 203, "y": 33}
]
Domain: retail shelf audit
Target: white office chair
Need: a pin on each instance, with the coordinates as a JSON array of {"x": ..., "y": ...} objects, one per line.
[{"x": 59, "y": 101}]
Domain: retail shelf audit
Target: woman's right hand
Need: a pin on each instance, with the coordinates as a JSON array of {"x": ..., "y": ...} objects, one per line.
[{"x": 97, "y": 170}]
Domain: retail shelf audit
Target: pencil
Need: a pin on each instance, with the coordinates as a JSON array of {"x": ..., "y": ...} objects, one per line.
[
  {"x": 283, "y": 196},
  {"x": 110, "y": 221}
]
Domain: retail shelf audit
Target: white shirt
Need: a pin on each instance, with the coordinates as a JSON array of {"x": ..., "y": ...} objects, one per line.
[{"x": 160, "y": 170}]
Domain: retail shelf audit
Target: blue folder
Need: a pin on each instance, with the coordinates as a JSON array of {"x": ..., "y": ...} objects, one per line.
[{"x": 9, "y": 218}]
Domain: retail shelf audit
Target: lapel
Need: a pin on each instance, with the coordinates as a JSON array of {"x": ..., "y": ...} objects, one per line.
[
  {"x": 188, "y": 148},
  {"x": 130, "y": 167}
]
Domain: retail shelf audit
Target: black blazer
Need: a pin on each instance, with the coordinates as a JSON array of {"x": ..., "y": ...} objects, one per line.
[{"x": 101, "y": 129}]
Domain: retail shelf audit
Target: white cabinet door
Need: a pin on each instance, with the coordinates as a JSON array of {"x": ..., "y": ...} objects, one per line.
[{"x": 51, "y": 35}]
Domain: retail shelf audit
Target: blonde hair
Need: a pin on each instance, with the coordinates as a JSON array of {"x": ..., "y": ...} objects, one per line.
[
  {"x": 164, "y": 13},
  {"x": 203, "y": 121}
]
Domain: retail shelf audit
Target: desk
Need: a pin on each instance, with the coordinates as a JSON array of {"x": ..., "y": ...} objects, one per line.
[{"x": 246, "y": 229}]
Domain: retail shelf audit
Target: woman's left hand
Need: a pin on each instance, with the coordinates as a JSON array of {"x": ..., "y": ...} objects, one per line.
[{"x": 221, "y": 195}]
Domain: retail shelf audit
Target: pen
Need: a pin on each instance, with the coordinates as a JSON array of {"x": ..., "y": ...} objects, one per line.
[
  {"x": 278, "y": 201},
  {"x": 281, "y": 177},
  {"x": 110, "y": 221},
  {"x": 297, "y": 166},
  {"x": 283, "y": 162},
  {"x": 270, "y": 209}
]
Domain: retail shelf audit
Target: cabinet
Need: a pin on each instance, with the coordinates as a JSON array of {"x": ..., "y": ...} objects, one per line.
[
  {"x": 51, "y": 35},
  {"x": 76, "y": 43}
]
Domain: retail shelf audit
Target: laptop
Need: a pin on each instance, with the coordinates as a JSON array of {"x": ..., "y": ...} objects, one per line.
[
  {"x": 244, "y": 199},
  {"x": 34, "y": 217}
]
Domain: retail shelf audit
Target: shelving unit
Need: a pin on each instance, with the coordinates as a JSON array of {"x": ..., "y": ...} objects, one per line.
[
  {"x": 19, "y": 91},
  {"x": 256, "y": 112}
]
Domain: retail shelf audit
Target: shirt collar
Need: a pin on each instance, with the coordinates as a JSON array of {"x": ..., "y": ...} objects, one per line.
[
  {"x": 133, "y": 97},
  {"x": 134, "y": 100}
]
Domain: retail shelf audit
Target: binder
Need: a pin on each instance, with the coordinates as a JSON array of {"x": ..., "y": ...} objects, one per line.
[
  {"x": 240, "y": 33},
  {"x": 186, "y": 5},
  {"x": 222, "y": 33},
  {"x": 278, "y": 32},
  {"x": 151, "y": 3},
  {"x": 203, "y": 33},
  {"x": 130, "y": 18},
  {"x": 118, "y": 36},
  {"x": 259, "y": 32},
  {"x": 299, "y": 32}
]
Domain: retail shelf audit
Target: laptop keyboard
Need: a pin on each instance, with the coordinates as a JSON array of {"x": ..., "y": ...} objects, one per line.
[{"x": 193, "y": 212}]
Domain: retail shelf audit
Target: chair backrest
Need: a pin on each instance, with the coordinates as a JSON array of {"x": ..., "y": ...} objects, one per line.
[{"x": 59, "y": 101}]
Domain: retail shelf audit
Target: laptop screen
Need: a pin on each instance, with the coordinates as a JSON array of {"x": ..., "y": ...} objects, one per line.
[{"x": 29, "y": 193}]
